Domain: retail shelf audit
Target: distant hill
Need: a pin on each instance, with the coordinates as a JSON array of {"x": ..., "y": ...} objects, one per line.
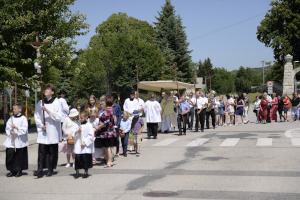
[{"x": 256, "y": 71}]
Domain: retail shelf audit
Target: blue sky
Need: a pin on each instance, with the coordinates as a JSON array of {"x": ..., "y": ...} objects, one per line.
[{"x": 223, "y": 30}]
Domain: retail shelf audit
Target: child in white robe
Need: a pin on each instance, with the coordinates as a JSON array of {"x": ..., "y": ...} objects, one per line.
[
  {"x": 84, "y": 146},
  {"x": 16, "y": 143}
]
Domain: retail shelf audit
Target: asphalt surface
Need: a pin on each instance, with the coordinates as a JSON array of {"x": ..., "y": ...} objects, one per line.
[{"x": 254, "y": 161}]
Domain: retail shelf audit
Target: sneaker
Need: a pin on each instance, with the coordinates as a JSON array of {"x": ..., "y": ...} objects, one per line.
[
  {"x": 137, "y": 154},
  {"x": 68, "y": 165},
  {"x": 117, "y": 155},
  {"x": 74, "y": 165}
]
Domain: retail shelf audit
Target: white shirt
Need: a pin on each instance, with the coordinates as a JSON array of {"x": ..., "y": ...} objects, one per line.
[
  {"x": 269, "y": 99},
  {"x": 141, "y": 105},
  {"x": 21, "y": 135},
  {"x": 191, "y": 101},
  {"x": 152, "y": 111},
  {"x": 64, "y": 108},
  {"x": 130, "y": 106},
  {"x": 94, "y": 122},
  {"x": 52, "y": 135},
  {"x": 69, "y": 127},
  {"x": 87, "y": 136},
  {"x": 201, "y": 102},
  {"x": 197, "y": 102},
  {"x": 256, "y": 104}
]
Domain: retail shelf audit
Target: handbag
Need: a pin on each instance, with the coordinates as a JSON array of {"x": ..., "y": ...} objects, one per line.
[
  {"x": 122, "y": 134},
  {"x": 71, "y": 140},
  {"x": 62, "y": 147}
]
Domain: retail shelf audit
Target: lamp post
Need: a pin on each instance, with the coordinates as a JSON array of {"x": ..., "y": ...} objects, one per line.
[
  {"x": 295, "y": 80},
  {"x": 263, "y": 67},
  {"x": 27, "y": 94},
  {"x": 9, "y": 91}
]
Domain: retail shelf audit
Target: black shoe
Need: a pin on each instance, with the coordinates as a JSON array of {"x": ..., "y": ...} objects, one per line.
[
  {"x": 184, "y": 133},
  {"x": 125, "y": 155},
  {"x": 50, "y": 173},
  {"x": 180, "y": 134},
  {"x": 202, "y": 130},
  {"x": 154, "y": 137},
  {"x": 85, "y": 175},
  {"x": 77, "y": 174},
  {"x": 38, "y": 173},
  {"x": 19, "y": 174},
  {"x": 214, "y": 127},
  {"x": 10, "y": 174}
]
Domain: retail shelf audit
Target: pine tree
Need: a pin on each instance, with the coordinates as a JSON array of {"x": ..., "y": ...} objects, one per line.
[{"x": 171, "y": 39}]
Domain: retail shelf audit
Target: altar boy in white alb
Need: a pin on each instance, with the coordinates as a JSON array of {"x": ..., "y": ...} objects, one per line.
[
  {"x": 16, "y": 143},
  {"x": 84, "y": 145},
  {"x": 49, "y": 134}
]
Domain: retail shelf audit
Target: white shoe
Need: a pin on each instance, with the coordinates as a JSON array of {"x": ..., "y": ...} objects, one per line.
[
  {"x": 74, "y": 165},
  {"x": 68, "y": 165}
]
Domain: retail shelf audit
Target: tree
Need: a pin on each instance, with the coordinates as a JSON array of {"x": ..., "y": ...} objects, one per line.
[
  {"x": 55, "y": 23},
  {"x": 280, "y": 30},
  {"x": 171, "y": 39},
  {"x": 223, "y": 81},
  {"x": 243, "y": 80},
  {"x": 121, "y": 43}
]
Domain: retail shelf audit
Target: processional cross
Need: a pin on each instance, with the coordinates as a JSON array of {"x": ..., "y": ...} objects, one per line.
[{"x": 37, "y": 46}]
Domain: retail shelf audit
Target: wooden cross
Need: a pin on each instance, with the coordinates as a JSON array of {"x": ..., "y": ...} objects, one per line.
[{"x": 37, "y": 46}]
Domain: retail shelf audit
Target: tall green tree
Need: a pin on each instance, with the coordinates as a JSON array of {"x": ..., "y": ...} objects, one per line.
[
  {"x": 223, "y": 81},
  {"x": 122, "y": 42},
  {"x": 54, "y": 22},
  {"x": 171, "y": 39},
  {"x": 244, "y": 80},
  {"x": 280, "y": 30}
]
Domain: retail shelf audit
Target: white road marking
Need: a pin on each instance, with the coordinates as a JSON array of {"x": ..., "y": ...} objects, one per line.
[
  {"x": 165, "y": 142},
  {"x": 264, "y": 142},
  {"x": 293, "y": 133},
  {"x": 197, "y": 142},
  {"x": 230, "y": 142},
  {"x": 296, "y": 141}
]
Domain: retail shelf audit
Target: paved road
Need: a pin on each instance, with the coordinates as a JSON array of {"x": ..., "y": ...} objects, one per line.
[{"x": 254, "y": 161}]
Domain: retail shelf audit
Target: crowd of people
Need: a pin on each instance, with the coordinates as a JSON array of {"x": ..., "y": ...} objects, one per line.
[{"x": 93, "y": 133}]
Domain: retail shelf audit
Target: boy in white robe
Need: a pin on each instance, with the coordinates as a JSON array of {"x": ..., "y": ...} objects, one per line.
[
  {"x": 16, "y": 143},
  {"x": 84, "y": 145},
  {"x": 49, "y": 134}
]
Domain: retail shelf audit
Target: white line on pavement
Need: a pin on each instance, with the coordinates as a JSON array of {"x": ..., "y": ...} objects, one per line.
[
  {"x": 197, "y": 142},
  {"x": 296, "y": 141},
  {"x": 230, "y": 142},
  {"x": 165, "y": 142},
  {"x": 264, "y": 142}
]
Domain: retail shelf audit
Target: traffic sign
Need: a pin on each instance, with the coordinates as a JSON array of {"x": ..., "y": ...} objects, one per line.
[
  {"x": 270, "y": 90},
  {"x": 270, "y": 84}
]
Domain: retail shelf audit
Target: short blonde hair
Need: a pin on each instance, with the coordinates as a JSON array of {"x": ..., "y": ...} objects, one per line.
[{"x": 125, "y": 114}]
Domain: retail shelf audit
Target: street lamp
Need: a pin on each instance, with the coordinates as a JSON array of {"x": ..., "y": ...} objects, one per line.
[
  {"x": 263, "y": 66},
  {"x": 295, "y": 81},
  {"x": 9, "y": 91}
]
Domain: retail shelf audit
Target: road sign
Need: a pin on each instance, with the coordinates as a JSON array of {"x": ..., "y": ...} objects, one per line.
[
  {"x": 270, "y": 84},
  {"x": 270, "y": 90}
]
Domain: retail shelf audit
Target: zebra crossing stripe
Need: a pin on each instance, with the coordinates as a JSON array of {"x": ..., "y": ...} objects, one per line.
[
  {"x": 295, "y": 141},
  {"x": 165, "y": 142},
  {"x": 230, "y": 142},
  {"x": 197, "y": 142},
  {"x": 264, "y": 142}
]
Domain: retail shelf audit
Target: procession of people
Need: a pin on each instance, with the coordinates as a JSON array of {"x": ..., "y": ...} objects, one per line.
[{"x": 93, "y": 132}]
